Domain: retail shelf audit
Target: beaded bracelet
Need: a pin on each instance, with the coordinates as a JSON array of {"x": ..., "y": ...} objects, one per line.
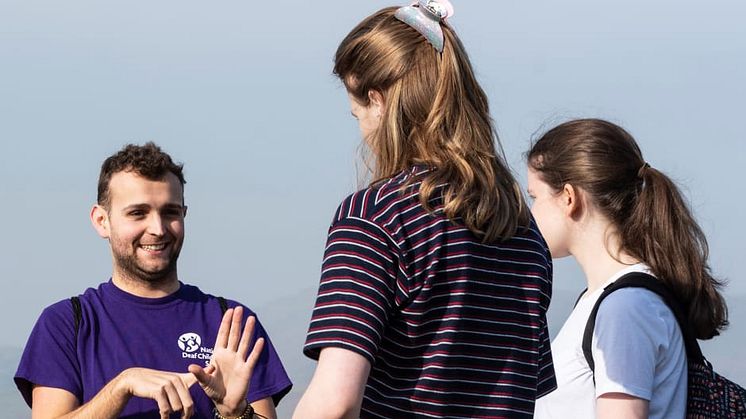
[{"x": 248, "y": 413}]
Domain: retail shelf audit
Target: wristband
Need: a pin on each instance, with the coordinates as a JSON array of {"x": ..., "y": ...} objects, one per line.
[{"x": 248, "y": 413}]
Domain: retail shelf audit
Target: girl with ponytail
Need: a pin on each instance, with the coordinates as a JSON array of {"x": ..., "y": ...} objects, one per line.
[
  {"x": 435, "y": 281},
  {"x": 595, "y": 198}
]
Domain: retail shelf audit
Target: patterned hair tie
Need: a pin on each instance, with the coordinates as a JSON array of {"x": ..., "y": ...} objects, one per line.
[{"x": 425, "y": 17}]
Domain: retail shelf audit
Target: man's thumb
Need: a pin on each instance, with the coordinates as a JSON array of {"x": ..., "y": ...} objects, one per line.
[{"x": 198, "y": 374}]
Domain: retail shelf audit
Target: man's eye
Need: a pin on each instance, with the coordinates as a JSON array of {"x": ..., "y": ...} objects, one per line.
[{"x": 137, "y": 213}]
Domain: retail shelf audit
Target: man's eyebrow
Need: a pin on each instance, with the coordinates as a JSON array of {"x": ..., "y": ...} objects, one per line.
[
  {"x": 135, "y": 206},
  {"x": 172, "y": 205}
]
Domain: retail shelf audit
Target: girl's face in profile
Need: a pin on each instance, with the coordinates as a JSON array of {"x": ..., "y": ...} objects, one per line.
[
  {"x": 368, "y": 117},
  {"x": 549, "y": 212}
]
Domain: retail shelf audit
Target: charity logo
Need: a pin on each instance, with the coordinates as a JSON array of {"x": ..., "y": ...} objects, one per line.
[{"x": 189, "y": 342}]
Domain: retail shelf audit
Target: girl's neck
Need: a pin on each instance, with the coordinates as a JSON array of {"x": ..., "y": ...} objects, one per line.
[{"x": 597, "y": 252}]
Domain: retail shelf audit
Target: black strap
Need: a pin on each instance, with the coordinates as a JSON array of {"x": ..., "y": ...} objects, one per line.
[
  {"x": 649, "y": 282},
  {"x": 223, "y": 304},
  {"x": 577, "y": 300},
  {"x": 77, "y": 314},
  {"x": 78, "y": 311}
]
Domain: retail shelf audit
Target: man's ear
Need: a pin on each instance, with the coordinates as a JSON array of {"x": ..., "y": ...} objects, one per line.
[
  {"x": 376, "y": 102},
  {"x": 100, "y": 221},
  {"x": 571, "y": 201}
]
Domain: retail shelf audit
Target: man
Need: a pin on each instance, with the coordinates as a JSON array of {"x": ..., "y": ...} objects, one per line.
[{"x": 132, "y": 345}]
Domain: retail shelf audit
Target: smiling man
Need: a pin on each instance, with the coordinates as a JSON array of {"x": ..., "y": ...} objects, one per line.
[{"x": 136, "y": 345}]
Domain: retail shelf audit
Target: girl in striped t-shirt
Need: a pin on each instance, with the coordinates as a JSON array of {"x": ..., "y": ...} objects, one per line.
[{"x": 435, "y": 281}]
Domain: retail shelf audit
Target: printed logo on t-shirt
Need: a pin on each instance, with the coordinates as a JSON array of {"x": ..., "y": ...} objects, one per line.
[
  {"x": 190, "y": 345},
  {"x": 189, "y": 342}
]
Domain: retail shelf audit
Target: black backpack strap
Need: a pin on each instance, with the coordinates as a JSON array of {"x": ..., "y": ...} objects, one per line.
[
  {"x": 577, "y": 300},
  {"x": 223, "y": 304},
  {"x": 77, "y": 314},
  {"x": 649, "y": 282}
]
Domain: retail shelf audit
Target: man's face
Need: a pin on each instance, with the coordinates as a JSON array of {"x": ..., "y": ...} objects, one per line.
[{"x": 145, "y": 226}]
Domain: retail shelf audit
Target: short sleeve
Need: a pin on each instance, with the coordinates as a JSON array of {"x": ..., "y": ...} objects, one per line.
[
  {"x": 269, "y": 378},
  {"x": 627, "y": 338},
  {"x": 547, "y": 381},
  {"x": 50, "y": 356},
  {"x": 357, "y": 289}
]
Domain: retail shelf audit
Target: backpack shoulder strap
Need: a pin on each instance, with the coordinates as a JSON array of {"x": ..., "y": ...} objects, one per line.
[
  {"x": 223, "y": 304},
  {"x": 649, "y": 282},
  {"x": 77, "y": 314},
  {"x": 577, "y": 300}
]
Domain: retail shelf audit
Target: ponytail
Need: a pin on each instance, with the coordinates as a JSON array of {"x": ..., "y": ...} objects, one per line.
[{"x": 662, "y": 232}]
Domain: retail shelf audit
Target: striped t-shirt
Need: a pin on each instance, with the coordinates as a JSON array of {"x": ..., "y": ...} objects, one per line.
[{"x": 452, "y": 327}]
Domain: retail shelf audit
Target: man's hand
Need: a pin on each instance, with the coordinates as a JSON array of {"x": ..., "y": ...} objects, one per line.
[
  {"x": 168, "y": 389},
  {"x": 226, "y": 379}
]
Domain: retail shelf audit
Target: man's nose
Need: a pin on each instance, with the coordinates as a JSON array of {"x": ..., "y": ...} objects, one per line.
[{"x": 156, "y": 225}]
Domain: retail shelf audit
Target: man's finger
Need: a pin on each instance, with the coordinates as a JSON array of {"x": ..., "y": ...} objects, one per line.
[
  {"x": 188, "y": 378},
  {"x": 210, "y": 368},
  {"x": 164, "y": 407},
  {"x": 255, "y": 354},
  {"x": 225, "y": 326},
  {"x": 199, "y": 375},
  {"x": 187, "y": 404},
  {"x": 248, "y": 333},
  {"x": 173, "y": 396},
  {"x": 235, "y": 333}
]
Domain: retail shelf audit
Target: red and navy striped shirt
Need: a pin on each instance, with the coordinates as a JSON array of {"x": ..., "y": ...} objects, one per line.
[{"x": 452, "y": 327}]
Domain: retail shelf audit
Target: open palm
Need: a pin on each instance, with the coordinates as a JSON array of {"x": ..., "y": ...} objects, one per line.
[{"x": 226, "y": 379}]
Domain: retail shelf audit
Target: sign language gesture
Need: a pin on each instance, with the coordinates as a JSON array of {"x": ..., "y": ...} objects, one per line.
[{"x": 226, "y": 379}]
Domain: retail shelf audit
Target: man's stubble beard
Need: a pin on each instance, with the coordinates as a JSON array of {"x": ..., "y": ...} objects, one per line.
[{"x": 128, "y": 267}]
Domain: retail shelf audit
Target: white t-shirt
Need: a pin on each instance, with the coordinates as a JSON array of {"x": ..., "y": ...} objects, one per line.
[{"x": 637, "y": 348}]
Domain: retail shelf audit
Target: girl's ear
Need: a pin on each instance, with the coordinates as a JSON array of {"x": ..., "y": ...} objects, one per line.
[
  {"x": 376, "y": 102},
  {"x": 571, "y": 201}
]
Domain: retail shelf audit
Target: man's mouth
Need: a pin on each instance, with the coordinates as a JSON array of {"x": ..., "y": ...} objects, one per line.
[{"x": 153, "y": 247}]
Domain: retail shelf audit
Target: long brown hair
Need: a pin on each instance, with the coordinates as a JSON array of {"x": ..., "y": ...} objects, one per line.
[
  {"x": 650, "y": 216},
  {"x": 435, "y": 114}
]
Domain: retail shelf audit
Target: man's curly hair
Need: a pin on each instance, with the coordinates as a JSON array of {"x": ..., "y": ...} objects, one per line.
[{"x": 147, "y": 160}]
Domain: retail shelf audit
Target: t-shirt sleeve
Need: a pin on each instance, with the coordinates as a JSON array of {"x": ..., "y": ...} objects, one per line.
[
  {"x": 547, "y": 381},
  {"x": 50, "y": 358},
  {"x": 357, "y": 289},
  {"x": 269, "y": 378},
  {"x": 627, "y": 338}
]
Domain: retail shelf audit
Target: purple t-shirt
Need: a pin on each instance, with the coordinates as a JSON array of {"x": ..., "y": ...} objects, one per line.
[{"x": 119, "y": 331}]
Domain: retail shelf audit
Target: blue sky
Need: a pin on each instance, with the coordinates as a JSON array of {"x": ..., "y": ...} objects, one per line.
[{"x": 242, "y": 93}]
